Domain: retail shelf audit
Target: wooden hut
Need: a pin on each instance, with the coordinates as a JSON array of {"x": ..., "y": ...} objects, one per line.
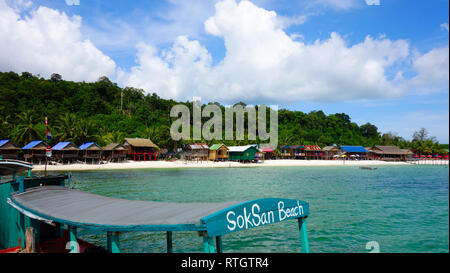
[
  {"x": 141, "y": 149},
  {"x": 90, "y": 152},
  {"x": 390, "y": 153},
  {"x": 8, "y": 150},
  {"x": 218, "y": 152},
  {"x": 354, "y": 152},
  {"x": 242, "y": 153},
  {"x": 34, "y": 152},
  {"x": 313, "y": 152},
  {"x": 65, "y": 152},
  {"x": 195, "y": 151},
  {"x": 114, "y": 152},
  {"x": 330, "y": 152}
]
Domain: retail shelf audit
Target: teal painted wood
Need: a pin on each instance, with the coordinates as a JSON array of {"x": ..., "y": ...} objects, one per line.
[
  {"x": 169, "y": 242},
  {"x": 21, "y": 184},
  {"x": 254, "y": 213},
  {"x": 248, "y": 154},
  {"x": 303, "y": 235},
  {"x": 73, "y": 242},
  {"x": 208, "y": 244},
  {"x": 13, "y": 224},
  {"x": 113, "y": 242}
]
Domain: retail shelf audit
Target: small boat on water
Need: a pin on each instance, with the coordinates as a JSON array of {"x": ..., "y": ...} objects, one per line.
[
  {"x": 43, "y": 214},
  {"x": 368, "y": 168}
]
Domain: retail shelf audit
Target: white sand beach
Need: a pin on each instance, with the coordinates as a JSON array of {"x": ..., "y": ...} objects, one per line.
[{"x": 209, "y": 164}]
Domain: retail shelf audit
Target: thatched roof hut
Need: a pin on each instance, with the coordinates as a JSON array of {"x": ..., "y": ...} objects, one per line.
[
  {"x": 141, "y": 149},
  {"x": 390, "y": 152},
  {"x": 115, "y": 152}
]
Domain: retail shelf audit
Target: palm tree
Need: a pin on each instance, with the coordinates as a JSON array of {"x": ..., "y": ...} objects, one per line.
[
  {"x": 85, "y": 131},
  {"x": 66, "y": 127},
  {"x": 28, "y": 128},
  {"x": 5, "y": 127},
  {"x": 112, "y": 137}
]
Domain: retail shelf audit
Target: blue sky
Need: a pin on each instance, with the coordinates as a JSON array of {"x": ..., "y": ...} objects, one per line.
[{"x": 386, "y": 64}]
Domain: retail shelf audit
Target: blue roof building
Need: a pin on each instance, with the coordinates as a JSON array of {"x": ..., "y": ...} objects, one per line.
[
  {"x": 354, "y": 149},
  {"x": 32, "y": 145},
  {"x": 65, "y": 152}
]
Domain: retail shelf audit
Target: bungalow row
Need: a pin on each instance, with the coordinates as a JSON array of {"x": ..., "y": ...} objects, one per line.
[
  {"x": 221, "y": 152},
  {"x": 66, "y": 152},
  {"x": 377, "y": 152}
]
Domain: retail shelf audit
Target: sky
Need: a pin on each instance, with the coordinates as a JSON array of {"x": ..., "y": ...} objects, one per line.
[{"x": 380, "y": 61}]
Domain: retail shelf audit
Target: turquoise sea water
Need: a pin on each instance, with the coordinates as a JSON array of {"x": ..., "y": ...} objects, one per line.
[{"x": 402, "y": 208}]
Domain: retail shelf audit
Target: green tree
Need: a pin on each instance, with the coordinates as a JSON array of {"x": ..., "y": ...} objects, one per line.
[{"x": 28, "y": 128}]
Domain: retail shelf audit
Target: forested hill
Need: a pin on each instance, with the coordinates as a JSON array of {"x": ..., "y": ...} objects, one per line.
[{"x": 82, "y": 112}]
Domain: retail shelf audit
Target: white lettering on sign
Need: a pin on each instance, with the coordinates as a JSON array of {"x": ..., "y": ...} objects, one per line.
[
  {"x": 288, "y": 213},
  {"x": 256, "y": 218}
]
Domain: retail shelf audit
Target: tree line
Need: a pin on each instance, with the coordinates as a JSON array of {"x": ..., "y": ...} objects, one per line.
[{"x": 103, "y": 112}]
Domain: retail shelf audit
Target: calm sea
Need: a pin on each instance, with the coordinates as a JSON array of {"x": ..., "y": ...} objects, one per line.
[{"x": 401, "y": 208}]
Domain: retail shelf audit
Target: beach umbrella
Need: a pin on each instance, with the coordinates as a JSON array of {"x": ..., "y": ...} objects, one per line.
[
  {"x": 343, "y": 156},
  {"x": 335, "y": 155},
  {"x": 416, "y": 156},
  {"x": 422, "y": 156},
  {"x": 429, "y": 156},
  {"x": 446, "y": 156}
]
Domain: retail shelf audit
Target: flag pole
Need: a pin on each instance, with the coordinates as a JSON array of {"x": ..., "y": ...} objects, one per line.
[{"x": 46, "y": 129}]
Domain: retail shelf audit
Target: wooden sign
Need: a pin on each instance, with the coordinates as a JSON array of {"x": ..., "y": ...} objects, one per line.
[{"x": 253, "y": 214}]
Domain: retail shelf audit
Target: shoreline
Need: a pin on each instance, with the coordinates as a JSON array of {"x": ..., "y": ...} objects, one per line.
[{"x": 209, "y": 164}]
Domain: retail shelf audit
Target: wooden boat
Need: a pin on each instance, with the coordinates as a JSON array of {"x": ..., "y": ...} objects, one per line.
[
  {"x": 368, "y": 168},
  {"x": 56, "y": 210}
]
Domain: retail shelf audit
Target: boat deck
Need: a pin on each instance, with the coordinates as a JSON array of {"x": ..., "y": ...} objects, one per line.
[{"x": 83, "y": 209}]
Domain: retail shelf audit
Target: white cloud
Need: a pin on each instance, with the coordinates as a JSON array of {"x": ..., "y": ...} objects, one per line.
[
  {"x": 444, "y": 26},
  {"x": 432, "y": 71},
  {"x": 263, "y": 63},
  {"x": 47, "y": 41}
]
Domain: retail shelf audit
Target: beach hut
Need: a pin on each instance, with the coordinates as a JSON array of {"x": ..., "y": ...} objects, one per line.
[
  {"x": 390, "y": 153},
  {"x": 34, "y": 152},
  {"x": 8, "y": 150},
  {"x": 242, "y": 153},
  {"x": 313, "y": 152},
  {"x": 298, "y": 151},
  {"x": 195, "y": 151},
  {"x": 286, "y": 151},
  {"x": 65, "y": 152},
  {"x": 90, "y": 151},
  {"x": 330, "y": 152},
  {"x": 358, "y": 152},
  {"x": 140, "y": 149},
  {"x": 268, "y": 153},
  {"x": 218, "y": 152},
  {"x": 114, "y": 152}
]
